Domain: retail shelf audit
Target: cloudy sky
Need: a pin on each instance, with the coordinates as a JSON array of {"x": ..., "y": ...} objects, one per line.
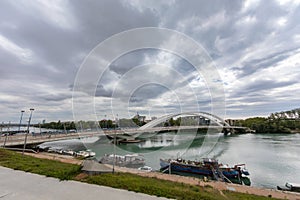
[{"x": 254, "y": 45}]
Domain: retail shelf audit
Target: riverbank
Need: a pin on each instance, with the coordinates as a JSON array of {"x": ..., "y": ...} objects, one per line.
[
  {"x": 221, "y": 188},
  {"x": 57, "y": 157}
]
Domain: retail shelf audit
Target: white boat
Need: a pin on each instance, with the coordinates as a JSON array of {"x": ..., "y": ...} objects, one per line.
[
  {"x": 129, "y": 160},
  {"x": 69, "y": 152},
  {"x": 293, "y": 187},
  {"x": 145, "y": 168},
  {"x": 86, "y": 154}
]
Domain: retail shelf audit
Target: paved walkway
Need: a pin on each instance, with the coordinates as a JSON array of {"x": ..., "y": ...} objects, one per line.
[{"x": 19, "y": 185}]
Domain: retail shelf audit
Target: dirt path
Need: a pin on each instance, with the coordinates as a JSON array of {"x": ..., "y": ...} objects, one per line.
[
  {"x": 61, "y": 158},
  {"x": 182, "y": 179}
]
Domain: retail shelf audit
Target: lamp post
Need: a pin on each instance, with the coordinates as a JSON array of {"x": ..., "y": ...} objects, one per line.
[
  {"x": 26, "y": 134},
  {"x": 65, "y": 130},
  {"x": 2, "y": 127},
  {"x": 22, "y": 111},
  {"x": 40, "y": 128},
  {"x": 6, "y": 135},
  {"x": 115, "y": 135}
]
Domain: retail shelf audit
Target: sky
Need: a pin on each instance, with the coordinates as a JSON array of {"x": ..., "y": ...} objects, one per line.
[{"x": 254, "y": 47}]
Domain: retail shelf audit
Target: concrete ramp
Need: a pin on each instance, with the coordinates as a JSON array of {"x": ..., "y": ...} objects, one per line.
[{"x": 92, "y": 167}]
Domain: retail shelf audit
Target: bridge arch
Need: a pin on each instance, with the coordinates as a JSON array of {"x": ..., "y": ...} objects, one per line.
[{"x": 214, "y": 118}]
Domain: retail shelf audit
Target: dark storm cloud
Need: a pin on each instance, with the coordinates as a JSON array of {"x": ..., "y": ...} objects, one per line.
[
  {"x": 57, "y": 50},
  {"x": 130, "y": 60},
  {"x": 136, "y": 58},
  {"x": 147, "y": 92},
  {"x": 102, "y": 92},
  {"x": 42, "y": 45},
  {"x": 60, "y": 48},
  {"x": 250, "y": 67},
  {"x": 258, "y": 87},
  {"x": 56, "y": 97}
]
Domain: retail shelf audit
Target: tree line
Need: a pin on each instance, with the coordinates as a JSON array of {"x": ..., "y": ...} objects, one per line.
[
  {"x": 58, "y": 125},
  {"x": 278, "y": 122}
]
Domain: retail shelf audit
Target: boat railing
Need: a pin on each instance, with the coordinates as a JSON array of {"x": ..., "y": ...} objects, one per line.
[{"x": 218, "y": 174}]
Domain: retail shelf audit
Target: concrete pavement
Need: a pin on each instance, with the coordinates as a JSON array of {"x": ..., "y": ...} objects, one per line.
[{"x": 19, "y": 185}]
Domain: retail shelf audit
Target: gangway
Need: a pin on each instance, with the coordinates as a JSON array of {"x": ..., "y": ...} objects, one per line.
[{"x": 218, "y": 174}]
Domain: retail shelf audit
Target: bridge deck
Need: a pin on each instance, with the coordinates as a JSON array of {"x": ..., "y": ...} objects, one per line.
[{"x": 15, "y": 140}]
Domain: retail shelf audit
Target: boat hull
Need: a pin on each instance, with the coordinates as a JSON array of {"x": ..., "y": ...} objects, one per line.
[
  {"x": 203, "y": 169},
  {"x": 191, "y": 169}
]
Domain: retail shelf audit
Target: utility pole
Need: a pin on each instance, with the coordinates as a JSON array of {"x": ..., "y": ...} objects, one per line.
[
  {"x": 27, "y": 132},
  {"x": 115, "y": 135},
  {"x": 2, "y": 127},
  {"x": 65, "y": 130},
  {"x": 22, "y": 111},
  {"x": 105, "y": 122},
  {"x": 6, "y": 135},
  {"x": 40, "y": 128},
  {"x": 81, "y": 126}
]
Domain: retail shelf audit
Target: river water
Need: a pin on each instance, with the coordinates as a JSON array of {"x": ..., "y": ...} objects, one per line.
[{"x": 272, "y": 159}]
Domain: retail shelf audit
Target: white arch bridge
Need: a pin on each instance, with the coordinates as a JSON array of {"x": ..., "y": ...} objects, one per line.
[
  {"x": 213, "y": 119},
  {"x": 209, "y": 121}
]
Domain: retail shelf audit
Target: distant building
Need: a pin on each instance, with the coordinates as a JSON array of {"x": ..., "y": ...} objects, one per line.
[
  {"x": 139, "y": 117},
  {"x": 233, "y": 122},
  {"x": 153, "y": 118}
]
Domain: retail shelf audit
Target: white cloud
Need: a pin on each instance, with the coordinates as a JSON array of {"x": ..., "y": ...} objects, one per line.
[
  {"x": 296, "y": 38},
  {"x": 282, "y": 21},
  {"x": 247, "y": 20},
  {"x": 23, "y": 54},
  {"x": 250, "y": 5},
  {"x": 288, "y": 2},
  {"x": 56, "y": 12},
  {"x": 141, "y": 6}
]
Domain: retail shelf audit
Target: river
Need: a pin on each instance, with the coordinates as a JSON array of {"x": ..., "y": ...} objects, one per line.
[{"x": 272, "y": 159}]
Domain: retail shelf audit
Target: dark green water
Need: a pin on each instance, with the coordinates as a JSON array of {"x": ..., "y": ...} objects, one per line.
[{"x": 271, "y": 159}]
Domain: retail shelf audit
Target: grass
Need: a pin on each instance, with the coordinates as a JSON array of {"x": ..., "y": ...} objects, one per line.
[
  {"x": 163, "y": 188},
  {"x": 152, "y": 186},
  {"x": 51, "y": 168}
]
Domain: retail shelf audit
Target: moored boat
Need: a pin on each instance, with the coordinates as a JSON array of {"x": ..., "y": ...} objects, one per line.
[
  {"x": 145, "y": 168},
  {"x": 293, "y": 187},
  {"x": 85, "y": 154},
  {"x": 129, "y": 160},
  {"x": 207, "y": 167}
]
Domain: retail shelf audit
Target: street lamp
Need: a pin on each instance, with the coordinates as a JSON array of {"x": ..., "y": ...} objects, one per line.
[
  {"x": 105, "y": 122},
  {"x": 115, "y": 135},
  {"x": 6, "y": 135},
  {"x": 22, "y": 111},
  {"x": 2, "y": 127},
  {"x": 31, "y": 110}
]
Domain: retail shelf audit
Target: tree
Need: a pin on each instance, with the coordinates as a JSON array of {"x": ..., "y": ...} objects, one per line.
[
  {"x": 178, "y": 121},
  {"x": 172, "y": 122}
]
